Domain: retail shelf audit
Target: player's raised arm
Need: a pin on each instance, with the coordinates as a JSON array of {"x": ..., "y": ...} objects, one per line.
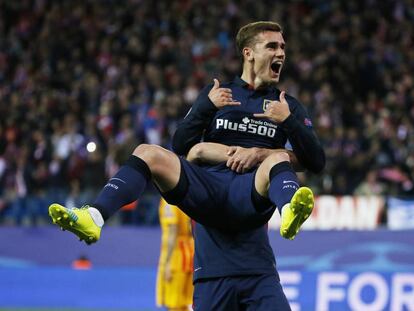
[
  {"x": 298, "y": 128},
  {"x": 190, "y": 129},
  {"x": 277, "y": 111},
  {"x": 221, "y": 97}
]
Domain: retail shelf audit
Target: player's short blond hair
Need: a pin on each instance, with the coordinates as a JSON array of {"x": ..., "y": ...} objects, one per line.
[{"x": 247, "y": 35}]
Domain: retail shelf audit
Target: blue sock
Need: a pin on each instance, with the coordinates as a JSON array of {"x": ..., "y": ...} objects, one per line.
[
  {"x": 124, "y": 187},
  {"x": 283, "y": 184}
]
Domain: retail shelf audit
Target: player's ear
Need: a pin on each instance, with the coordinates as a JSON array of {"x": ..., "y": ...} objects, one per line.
[{"x": 248, "y": 54}]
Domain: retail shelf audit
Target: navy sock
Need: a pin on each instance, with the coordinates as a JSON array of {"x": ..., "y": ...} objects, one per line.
[
  {"x": 283, "y": 184},
  {"x": 124, "y": 187}
]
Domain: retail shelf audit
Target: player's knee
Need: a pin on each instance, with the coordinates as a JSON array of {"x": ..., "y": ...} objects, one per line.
[
  {"x": 142, "y": 149},
  {"x": 158, "y": 159},
  {"x": 278, "y": 157},
  {"x": 151, "y": 154},
  {"x": 269, "y": 162},
  {"x": 195, "y": 153}
]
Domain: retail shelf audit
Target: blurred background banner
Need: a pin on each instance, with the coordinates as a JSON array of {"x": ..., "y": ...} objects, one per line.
[
  {"x": 400, "y": 214},
  {"x": 348, "y": 270},
  {"x": 320, "y": 270},
  {"x": 60, "y": 288},
  {"x": 343, "y": 213},
  {"x": 344, "y": 291}
]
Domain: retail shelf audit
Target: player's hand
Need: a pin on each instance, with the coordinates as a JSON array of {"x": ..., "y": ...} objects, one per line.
[
  {"x": 276, "y": 111},
  {"x": 221, "y": 97},
  {"x": 242, "y": 159}
]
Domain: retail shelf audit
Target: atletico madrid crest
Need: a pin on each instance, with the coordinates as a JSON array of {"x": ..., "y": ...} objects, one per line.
[{"x": 266, "y": 103}]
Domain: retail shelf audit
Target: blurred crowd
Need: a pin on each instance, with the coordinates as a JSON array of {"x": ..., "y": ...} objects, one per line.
[{"x": 82, "y": 82}]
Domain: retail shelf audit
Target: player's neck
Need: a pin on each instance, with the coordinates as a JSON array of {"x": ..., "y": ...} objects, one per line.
[
  {"x": 249, "y": 77},
  {"x": 252, "y": 80}
]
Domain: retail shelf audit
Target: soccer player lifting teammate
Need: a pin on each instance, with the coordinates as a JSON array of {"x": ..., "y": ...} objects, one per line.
[{"x": 237, "y": 172}]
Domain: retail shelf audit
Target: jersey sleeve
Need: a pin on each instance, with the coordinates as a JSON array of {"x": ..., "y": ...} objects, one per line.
[
  {"x": 190, "y": 129},
  {"x": 303, "y": 140}
]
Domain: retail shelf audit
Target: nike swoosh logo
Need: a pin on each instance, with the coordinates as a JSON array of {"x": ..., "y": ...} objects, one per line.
[
  {"x": 289, "y": 181},
  {"x": 119, "y": 179},
  {"x": 196, "y": 269}
]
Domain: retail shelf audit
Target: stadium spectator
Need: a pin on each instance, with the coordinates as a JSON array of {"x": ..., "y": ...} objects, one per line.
[{"x": 100, "y": 61}]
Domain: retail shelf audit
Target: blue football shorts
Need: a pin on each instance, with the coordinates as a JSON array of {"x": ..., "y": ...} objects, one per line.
[
  {"x": 240, "y": 293},
  {"x": 219, "y": 197}
]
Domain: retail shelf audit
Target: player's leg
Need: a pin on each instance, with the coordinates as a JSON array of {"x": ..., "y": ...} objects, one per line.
[
  {"x": 219, "y": 294},
  {"x": 275, "y": 179},
  {"x": 147, "y": 162},
  {"x": 262, "y": 293},
  {"x": 177, "y": 298}
]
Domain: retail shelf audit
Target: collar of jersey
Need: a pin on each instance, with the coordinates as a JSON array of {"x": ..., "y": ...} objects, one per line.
[{"x": 240, "y": 82}]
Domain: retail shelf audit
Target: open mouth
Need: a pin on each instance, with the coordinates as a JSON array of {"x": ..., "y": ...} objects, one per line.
[{"x": 276, "y": 67}]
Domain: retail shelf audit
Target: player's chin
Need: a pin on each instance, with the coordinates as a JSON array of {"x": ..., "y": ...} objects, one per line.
[{"x": 272, "y": 81}]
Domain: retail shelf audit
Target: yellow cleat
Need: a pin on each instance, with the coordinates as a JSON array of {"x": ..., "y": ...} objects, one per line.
[
  {"x": 296, "y": 212},
  {"x": 77, "y": 221}
]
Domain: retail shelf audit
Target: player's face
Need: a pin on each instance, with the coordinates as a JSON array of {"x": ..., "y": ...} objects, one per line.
[{"x": 269, "y": 56}]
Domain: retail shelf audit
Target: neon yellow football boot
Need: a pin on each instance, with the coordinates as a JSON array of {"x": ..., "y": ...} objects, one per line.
[
  {"x": 79, "y": 221},
  {"x": 296, "y": 212}
]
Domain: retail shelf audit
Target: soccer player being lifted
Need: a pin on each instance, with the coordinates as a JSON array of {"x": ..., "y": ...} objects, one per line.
[{"x": 237, "y": 172}]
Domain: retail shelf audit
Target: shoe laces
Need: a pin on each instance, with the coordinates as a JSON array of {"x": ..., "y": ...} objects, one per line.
[
  {"x": 83, "y": 207},
  {"x": 72, "y": 211}
]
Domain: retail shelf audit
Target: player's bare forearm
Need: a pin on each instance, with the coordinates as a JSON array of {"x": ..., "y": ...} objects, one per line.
[
  {"x": 243, "y": 159},
  {"x": 210, "y": 153},
  {"x": 237, "y": 158}
]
